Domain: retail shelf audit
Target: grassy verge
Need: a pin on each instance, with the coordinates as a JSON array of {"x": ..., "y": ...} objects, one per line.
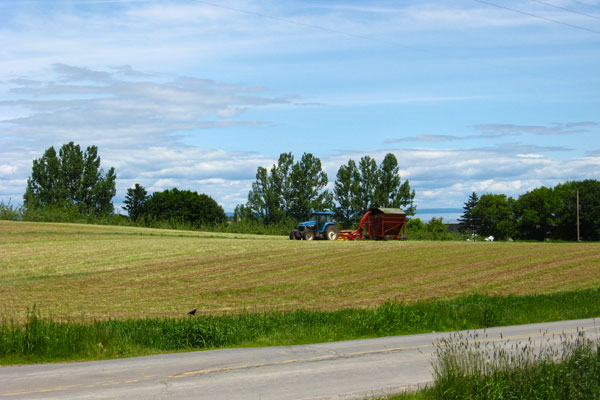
[
  {"x": 43, "y": 339},
  {"x": 465, "y": 369}
]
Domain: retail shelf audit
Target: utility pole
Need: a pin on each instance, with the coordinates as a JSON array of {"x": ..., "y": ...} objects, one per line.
[{"x": 578, "y": 237}]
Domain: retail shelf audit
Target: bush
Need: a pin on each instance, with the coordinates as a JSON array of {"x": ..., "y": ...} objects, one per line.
[
  {"x": 9, "y": 212},
  {"x": 435, "y": 229}
]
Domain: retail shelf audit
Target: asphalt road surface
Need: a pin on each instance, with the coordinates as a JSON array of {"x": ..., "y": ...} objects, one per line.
[{"x": 354, "y": 369}]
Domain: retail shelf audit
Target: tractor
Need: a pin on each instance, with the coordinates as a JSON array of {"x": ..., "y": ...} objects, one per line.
[{"x": 320, "y": 226}]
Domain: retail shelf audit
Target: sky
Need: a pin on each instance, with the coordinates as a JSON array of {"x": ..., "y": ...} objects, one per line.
[{"x": 498, "y": 96}]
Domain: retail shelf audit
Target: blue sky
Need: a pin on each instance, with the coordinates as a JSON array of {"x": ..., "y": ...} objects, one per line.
[{"x": 498, "y": 96}]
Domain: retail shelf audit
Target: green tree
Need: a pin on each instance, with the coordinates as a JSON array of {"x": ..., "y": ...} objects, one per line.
[
  {"x": 359, "y": 188},
  {"x": 289, "y": 190},
  {"x": 308, "y": 181},
  {"x": 282, "y": 182},
  {"x": 270, "y": 198},
  {"x": 468, "y": 220},
  {"x": 390, "y": 191},
  {"x": 260, "y": 197},
  {"x": 405, "y": 199},
  {"x": 242, "y": 213},
  {"x": 388, "y": 182},
  {"x": 535, "y": 214},
  {"x": 72, "y": 178},
  {"x": 589, "y": 213},
  {"x": 494, "y": 216},
  {"x": 346, "y": 194},
  {"x": 368, "y": 183},
  {"x": 135, "y": 201},
  {"x": 44, "y": 185},
  {"x": 184, "y": 206}
]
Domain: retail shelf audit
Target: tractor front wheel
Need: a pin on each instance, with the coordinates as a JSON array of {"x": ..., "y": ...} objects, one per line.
[
  {"x": 331, "y": 233},
  {"x": 309, "y": 234}
]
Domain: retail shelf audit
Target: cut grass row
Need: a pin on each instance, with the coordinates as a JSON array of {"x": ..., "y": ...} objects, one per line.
[
  {"x": 42, "y": 339},
  {"x": 104, "y": 272}
]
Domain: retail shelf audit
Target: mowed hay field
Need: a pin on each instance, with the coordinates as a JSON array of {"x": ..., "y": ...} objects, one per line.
[{"x": 100, "y": 272}]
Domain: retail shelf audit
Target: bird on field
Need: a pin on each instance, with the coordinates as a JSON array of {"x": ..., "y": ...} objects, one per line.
[{"x": 193, "y": 312}]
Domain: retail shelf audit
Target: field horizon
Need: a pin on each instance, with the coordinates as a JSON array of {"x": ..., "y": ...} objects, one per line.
[{"x": 94, "y": 272}]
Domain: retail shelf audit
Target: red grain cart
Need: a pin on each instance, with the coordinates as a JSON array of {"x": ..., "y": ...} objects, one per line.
[{"x": 379, "y": 224}]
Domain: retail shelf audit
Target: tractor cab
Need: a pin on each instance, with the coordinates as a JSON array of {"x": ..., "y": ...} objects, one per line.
[
  {"x": 320, "y": 226},
  {"x": 321, "y": 219}
]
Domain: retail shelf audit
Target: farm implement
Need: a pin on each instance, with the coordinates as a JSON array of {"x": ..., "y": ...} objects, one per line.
[{"x": 376, "y": 224}]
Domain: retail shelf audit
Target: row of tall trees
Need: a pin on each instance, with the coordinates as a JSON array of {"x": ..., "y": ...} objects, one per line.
[
  {"x": 289, "y": 190},
  {"x": 359, "y": 187},
  {"x": 543, "y": 213},
  {"x": 71, "y": 178},
  {"x": 293, "y": 189}
]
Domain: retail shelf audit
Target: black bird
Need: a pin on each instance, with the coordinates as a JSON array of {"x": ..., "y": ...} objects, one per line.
[{"x": 193, "y": 312}]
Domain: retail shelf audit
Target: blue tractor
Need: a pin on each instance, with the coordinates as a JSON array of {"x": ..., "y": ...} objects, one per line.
[{"x": 320, "y": 226}]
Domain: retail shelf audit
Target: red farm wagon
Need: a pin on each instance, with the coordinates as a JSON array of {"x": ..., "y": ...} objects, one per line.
[{"x": 379, "y": 224}]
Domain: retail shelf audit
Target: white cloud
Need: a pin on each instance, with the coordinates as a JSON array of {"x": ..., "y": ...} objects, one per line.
[
  {"x": 132, "y": 112},
  {"x": 7, "y": 169},
  {"x": 569, "y": 128},
  {"x": 445, "y": 178}
]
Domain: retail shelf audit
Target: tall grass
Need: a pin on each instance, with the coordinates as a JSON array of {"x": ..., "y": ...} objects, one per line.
[
  {"x": 468, "y": 368},
  {"x": 42, "y": 339}
]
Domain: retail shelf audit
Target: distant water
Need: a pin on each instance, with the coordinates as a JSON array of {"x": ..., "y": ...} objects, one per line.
[{"x": 449, "y": 215}]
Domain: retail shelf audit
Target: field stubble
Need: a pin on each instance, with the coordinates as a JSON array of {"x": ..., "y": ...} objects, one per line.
[{"x": 100, "y": 272}]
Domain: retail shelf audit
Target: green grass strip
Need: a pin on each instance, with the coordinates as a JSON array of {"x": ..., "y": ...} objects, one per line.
[{"x": 43, "y": 339}]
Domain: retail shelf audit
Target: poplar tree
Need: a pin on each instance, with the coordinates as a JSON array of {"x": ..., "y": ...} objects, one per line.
[
  {"x": 308, "y": 184},
  {"x": 346, "y": 194},
  {"x": 288, "y": 190},
  {"x": 367, "y": 167},
  {"x": 72, "y": 178}
]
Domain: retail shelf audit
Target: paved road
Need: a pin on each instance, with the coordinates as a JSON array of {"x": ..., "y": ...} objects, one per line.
[{"x": 342, "y": 370}]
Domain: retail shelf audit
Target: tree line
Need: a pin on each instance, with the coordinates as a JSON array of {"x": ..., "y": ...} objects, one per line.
[
  {"x": 72, "y": 182},
  {"x": 543, "y": 213},
  {"x": 286, "y": 193},
  {"x": 291, "y": 190}
]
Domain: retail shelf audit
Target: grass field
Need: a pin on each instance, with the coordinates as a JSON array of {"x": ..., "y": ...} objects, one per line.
[{"x": 101, "y": 272}]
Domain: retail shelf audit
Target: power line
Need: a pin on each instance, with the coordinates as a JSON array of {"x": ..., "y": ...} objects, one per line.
[
  {"x": 539, "y": 17},
  {"x": 566, "y": 9},
  {"x": 343, "y": 33},
  {"x": 289, "y": 21},
  {"x": 365, "y": 37}
]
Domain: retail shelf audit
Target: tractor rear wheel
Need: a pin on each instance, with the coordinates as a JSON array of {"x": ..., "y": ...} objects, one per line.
[
  {"x": 309, "y": 234},
  {"x": 331, "y": 233}
]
